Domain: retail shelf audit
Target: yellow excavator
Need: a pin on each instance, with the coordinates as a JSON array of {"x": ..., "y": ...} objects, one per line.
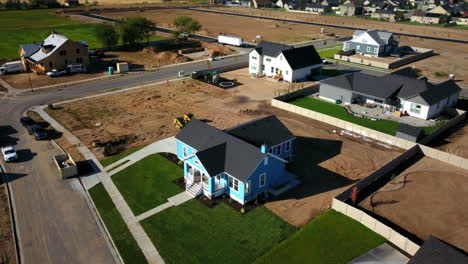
[{"x": 181, "y": 121}]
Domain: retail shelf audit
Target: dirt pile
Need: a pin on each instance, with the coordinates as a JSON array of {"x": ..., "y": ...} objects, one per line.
[
  {"x": 215, "y": 50},
  {"x": 163, "y": 57}
]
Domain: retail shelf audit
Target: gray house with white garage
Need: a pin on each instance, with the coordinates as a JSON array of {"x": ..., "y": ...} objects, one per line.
[
  {"x": 394, "y": 92},
  {"x": 372, "y": 43}
]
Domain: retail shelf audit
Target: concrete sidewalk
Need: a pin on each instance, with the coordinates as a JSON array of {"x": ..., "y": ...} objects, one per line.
[
  {"x": 167, "y": 145},
  {"x": 142, "y": 239},
  {"x": 175, "y": 200}
]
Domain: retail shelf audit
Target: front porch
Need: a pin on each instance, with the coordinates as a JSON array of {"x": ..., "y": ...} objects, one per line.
[{"x": 198, "y": 183}]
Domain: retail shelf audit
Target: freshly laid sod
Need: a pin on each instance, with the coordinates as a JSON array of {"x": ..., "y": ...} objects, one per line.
[
  {"x": 148, "y": 183},
  {"x": 329, "y": 53},
  {"x": 384, "y": 126},
  {"x": 109, "y": 160},
  {"x": 330, "y": 238},
  {"x": 194, "y": 233},
  {"x": 123, "y": 239},
  {"x": 32, "y": 26}
]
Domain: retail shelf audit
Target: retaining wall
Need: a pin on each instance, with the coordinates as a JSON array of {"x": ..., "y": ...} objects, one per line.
[
  {"x": 423, "y": 53},
  {"x": 378, "y": 227},
  {"x": 461, "y": 115},
  {"x": 364, "y": 131}
]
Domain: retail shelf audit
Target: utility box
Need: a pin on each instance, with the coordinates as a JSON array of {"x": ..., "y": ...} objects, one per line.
[
  {"x": 66, "y": 166},
  {"x": 122, "y": 67}
]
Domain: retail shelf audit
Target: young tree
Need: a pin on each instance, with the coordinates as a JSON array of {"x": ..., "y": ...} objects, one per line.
[
  {"x": 107, "y": 36},
  {"x": 354, "y": 194},
  {"x": 444, "y": 19},
  {"x": 399, "y": 16},
  {"x": 135, "y": 29},
  {"x": 185, "y": 25}
]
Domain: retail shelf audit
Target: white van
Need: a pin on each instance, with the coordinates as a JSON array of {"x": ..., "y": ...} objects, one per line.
[
  {"x": 11, "y": 67},
  {"x": 76, "y": 68}
]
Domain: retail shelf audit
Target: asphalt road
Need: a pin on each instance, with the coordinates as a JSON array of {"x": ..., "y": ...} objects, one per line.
[
  {"x": 55, "y": 223},
  {"x": 464, "y": 41}
]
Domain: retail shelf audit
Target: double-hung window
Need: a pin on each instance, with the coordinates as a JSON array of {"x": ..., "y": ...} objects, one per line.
[
  {"x": 288, "y": 146},
  {"x": 278, "y": 150},
  {"x": 185, "y": 151},
  {"x": 247, "y": 187},
  {"x": 415, "y": 108},
  {"x": 368, "y": 49}
]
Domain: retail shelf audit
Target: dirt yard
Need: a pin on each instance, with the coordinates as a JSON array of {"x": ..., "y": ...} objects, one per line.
[
  {"x": 454, "y": 141},
  {"x": 248, "y": 28},
  {"x": 427, "y": 199},
  {"x": 7, "y": 248},
  {"x": 327, "y": 162}
]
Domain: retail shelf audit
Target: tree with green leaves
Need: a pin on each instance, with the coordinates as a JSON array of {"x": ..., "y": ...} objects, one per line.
[
  {"x": 399, "y": 16},
  {"x": 107, "y": 36},
  {"x": 135, "y": 29},
  {"x": 444, "y": 19},
  {"x": 185, "y": 25}
]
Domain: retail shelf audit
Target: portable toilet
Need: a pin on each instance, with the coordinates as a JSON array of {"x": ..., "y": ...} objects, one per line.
[
  {"x": 111, "y": 70},
  {"x": 122, "y": 67}
]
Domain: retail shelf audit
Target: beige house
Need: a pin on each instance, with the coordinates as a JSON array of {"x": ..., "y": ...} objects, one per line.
[
  {"x": 55, "y": 52},
  {"x": 439, "y": 10},
  {"x": 384, "y": 14},
  {"x": 426, "y": 18}
]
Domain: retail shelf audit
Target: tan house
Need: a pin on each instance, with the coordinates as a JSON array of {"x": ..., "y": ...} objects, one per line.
[
  {"x": 56, "y": 52},
  {"x": 439, "y": 10},
  {"x": 425, "y": 18}
]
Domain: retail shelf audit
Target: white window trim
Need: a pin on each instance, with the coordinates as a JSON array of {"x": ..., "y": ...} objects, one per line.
[
  {"x": 196, "y": 162},
  {"x": 233, "y": 180},
  {"x": 265, "y": 161},
  {"x": 376, "y": 50},
  {"x": 247, "y": 187},
  {"x": 260, "y": 180},
  {"x": 184, "y": 151}
]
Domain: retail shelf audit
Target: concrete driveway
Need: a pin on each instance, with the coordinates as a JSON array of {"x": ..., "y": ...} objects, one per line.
[{"x": 383, "y": 254}]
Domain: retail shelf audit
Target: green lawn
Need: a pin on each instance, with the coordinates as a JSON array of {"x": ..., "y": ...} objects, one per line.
[
  {"x": 123, "y": 239},
  {"x": 32, "y": 26},
  {"x": 148, "y": 183},
  {"x": 331, "y": 238},
  {"x": 384, "y": 126},
  {"x": 109, "y": 160},
  {"x": 194, "y": 233},
  {"x": 329, "y": 53}
]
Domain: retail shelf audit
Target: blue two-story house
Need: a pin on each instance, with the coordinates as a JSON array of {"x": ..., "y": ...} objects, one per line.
[{"x": 242, "y": 162}]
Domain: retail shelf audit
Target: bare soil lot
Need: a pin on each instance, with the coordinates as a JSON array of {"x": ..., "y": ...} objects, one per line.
[
  {"x": 248, "y": 28},
  {"x": 456, "y": 141},
  {"x": 426, "y": 199},
  {"x": 326, "y": 162}
]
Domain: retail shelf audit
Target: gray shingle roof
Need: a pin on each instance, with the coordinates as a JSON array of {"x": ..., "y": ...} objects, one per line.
[
  {"x": 381, "y": 37},
  {"x": 268, "y": 130},
  {"x": 239, "y": 160},
  {"x": 302, "y": 57},
  {"x": 394, "y": 85},
  {"x": 271, "y": 49},
  {"x": 435, "y": 251}
]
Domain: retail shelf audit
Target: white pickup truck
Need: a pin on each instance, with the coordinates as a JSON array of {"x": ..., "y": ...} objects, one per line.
[{"x": 9, "y": 154}]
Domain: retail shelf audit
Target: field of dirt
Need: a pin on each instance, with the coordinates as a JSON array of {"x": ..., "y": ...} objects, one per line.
[
  {"x": 426, "y": 199},
  {"x": 327, "y": 162},
  {"x": 455, "y": 141},
  {"x": 247, "y": 28},
  {"x": 28, "y": 80},
  {"x": 7, "y": 248}
]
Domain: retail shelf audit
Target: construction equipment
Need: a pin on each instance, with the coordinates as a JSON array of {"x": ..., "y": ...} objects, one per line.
[{"x": 181, "y": 121}]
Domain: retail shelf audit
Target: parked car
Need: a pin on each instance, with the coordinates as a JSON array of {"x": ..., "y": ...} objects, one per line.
[
  {"x": 96, "y": 52},
  {"x": 56, "y": 73},
  {"x": 27, "y": 121},
  {"x": 76, "y": 68},
  {"x": 9, "y": 154},
  {"x": 326, "y": 62},
  {"x": 37, "y": 131}
]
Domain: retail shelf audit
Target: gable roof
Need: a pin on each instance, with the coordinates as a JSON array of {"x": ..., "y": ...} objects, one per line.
[
  {"x": 219, "y": 151},
  {"x": 436, "y": 251},
  {"x": 271, "y": 49},
  {"x": 268, "y": 130},
  {"x": 54, "y": 41},
  {"x": 302, "y": 57},
  {"x": 30, "y": 49},
  {"x": 379, "y": 36}
]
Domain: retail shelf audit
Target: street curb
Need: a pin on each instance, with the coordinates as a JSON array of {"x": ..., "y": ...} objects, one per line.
[{"x": 13, "y": 218}]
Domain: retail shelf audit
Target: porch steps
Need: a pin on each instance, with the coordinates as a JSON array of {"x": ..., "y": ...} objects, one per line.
[{"x": 194, "y": 190}]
